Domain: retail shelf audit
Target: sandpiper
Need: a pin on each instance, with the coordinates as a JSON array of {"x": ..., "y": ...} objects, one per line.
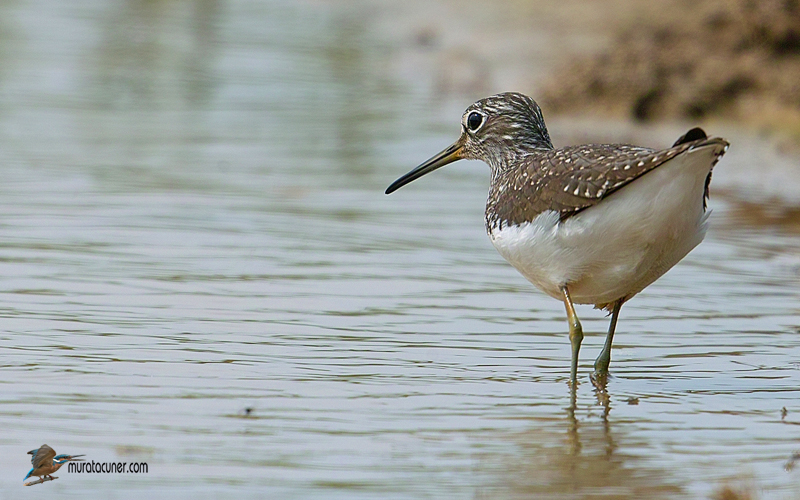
[{"x": 590, "y": 224}]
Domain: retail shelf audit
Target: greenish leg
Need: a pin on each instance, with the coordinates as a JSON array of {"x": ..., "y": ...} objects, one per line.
[
  {"x": 575, "y": 336},
  {"x": 604, "y": 359}
]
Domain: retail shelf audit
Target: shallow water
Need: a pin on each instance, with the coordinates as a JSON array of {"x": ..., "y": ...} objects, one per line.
[{"x": 193, "y": 225}]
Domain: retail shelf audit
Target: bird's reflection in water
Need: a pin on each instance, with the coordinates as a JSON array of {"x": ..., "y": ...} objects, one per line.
[
  {"x": 589, "y": 462},
  {"x": 604, "y": 403}
]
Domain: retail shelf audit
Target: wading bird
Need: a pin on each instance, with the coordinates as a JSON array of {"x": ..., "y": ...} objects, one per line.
[{"x": 590, "y": 224}]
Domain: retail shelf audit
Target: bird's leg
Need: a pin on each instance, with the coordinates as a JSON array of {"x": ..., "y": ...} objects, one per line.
[
  {"x": 604, "y": 359},
  {"x": 575, "y": 336}
]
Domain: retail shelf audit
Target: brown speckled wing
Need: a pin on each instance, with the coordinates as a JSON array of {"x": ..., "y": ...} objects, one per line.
[{"x": 572, "y": 179}]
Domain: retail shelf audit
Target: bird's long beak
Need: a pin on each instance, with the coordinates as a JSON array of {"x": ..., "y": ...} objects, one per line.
[
  {"x": 74, "y": 458},
  {"x": 449, "y": 155}
]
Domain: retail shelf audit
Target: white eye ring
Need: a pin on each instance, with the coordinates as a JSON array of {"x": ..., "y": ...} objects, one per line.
[{"x": 474, "y": 121}]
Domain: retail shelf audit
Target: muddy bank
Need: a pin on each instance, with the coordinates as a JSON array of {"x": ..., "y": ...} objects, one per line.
[{"x": 693, "y": 60}]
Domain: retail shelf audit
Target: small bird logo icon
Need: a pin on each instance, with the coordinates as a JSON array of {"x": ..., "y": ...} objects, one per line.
[{"x": 46, "y": 462}]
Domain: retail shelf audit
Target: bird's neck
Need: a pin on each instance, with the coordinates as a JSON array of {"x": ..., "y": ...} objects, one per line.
[{"x": 507, "y": 159}]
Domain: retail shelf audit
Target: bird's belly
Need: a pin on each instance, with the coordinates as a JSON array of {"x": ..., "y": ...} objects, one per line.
[{"x": 616, "y": 248}]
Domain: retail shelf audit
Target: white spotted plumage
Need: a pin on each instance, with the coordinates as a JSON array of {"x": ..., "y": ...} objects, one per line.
[{"x": 618, "y": 247}]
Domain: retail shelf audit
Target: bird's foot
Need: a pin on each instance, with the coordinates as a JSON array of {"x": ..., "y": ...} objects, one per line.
[
  {"x": 599, "y": 379},
  {"x": 41, "y": 480}
]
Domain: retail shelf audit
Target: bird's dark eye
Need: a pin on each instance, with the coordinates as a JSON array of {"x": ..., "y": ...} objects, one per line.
[{"x": 474, "y": 121}]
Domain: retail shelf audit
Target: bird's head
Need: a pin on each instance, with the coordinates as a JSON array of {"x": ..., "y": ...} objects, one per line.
[{"x": 496, "y": 129}]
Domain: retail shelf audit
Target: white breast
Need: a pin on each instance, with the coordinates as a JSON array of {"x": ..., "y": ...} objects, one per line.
[{"x": 621, "y": 245}]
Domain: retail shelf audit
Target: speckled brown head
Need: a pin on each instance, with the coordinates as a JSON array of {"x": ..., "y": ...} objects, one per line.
[{"x": 499, "y": 130}]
